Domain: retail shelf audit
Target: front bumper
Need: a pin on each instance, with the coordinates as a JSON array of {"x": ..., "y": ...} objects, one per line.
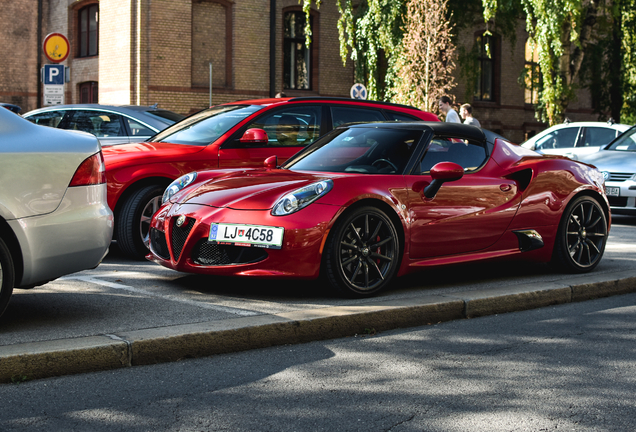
[
  {"x": 625, "y": 202},
  {"x": 187, "y": 248}
]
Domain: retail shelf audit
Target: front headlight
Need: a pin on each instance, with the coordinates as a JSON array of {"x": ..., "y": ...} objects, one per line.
[
  {"x": 177, "y": 185},
  {"x": 301, "y": 198}
]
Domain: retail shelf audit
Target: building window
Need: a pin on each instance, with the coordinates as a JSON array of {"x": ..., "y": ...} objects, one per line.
[
  {"x": 485, "y": 82},
  {"x": 297, "y": 57},
  {"x": 88, "y": 92},
  {"x": 532, "y": 74},
  {"x": 88, "y": 19}
]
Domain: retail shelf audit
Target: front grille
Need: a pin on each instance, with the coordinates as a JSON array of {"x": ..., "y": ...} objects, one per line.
[
  {"x": 158, "y": 243},
  {"x": 179, "y": 236},
  {"x": 619, "y": 177},
  {"x": 211, "y": 254},
  {"x": 617, "y": 201}
]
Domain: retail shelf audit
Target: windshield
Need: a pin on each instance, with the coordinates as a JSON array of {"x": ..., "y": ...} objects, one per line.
[
  {"x": 206, "y": 126},
  {"x": 625, "y": 142},
  {"x": 372, "y": 150}
]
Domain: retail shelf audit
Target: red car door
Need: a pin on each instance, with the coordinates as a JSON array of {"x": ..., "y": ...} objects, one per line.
[{"x": 466, "y": 215}]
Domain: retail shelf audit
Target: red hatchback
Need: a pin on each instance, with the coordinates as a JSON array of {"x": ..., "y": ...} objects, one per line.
[{"x": 138, "y": 173}]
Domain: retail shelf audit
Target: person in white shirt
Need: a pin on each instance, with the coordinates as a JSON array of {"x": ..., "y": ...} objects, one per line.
[
  {"x": 466, "y": 111},
  {"x": 446, "y": 108}
]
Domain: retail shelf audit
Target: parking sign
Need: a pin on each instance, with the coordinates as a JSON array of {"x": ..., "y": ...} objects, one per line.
[{"x": 53, "y": 74}]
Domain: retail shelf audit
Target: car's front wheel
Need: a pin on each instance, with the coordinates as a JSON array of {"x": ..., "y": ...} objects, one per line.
[
  {"x": 363, "y": 253},
  {"x": 133, "y": 221},
  {"x": 7, "y": 276},
  {"x": 581, "y": 237}
]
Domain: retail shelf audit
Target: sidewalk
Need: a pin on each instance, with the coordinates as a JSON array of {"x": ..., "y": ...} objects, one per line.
[{"x": 164, "y": 344}]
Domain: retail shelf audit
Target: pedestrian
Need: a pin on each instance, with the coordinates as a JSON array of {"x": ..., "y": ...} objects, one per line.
[
  {"x": 466, "y": 111},
  {"x": 447, "y": 109}
]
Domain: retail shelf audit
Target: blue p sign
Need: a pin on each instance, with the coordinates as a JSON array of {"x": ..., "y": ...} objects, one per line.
[{"x": 54, "y": 74}]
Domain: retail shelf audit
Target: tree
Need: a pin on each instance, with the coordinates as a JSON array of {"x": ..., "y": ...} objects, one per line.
[
  {"x": 590, "y": 43},
  {"x": 566, "y": 33},
  {"x": 426, "y": 60}
]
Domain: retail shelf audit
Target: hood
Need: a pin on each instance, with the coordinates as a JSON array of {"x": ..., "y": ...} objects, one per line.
[
  {"x": 145, "y": 152},
  {"x": 247, "y": 190},
  {"x": 612, "y": 160}
]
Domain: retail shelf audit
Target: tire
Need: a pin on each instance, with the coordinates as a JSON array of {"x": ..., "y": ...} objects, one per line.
[
  {"x": 133, "y": 221},
  {"x": 7, "y": 276},
  {"x": 363, "y": 253},
  {"x": 581, "y": 237}
]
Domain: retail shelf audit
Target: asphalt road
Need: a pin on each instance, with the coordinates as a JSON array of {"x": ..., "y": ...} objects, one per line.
[
  {"x": 569, "y": 367},
  {"x": 122, "y": 295}
]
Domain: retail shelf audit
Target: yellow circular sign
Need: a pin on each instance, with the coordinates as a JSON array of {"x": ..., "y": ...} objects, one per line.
[{"x": 56, "y": 47}]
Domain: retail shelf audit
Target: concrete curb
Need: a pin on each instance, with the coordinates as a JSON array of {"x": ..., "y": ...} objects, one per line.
[{"x": 164, "y": 344}]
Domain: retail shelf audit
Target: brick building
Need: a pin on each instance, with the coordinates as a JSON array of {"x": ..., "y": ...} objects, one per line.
[{"x": 144, "y": 52}]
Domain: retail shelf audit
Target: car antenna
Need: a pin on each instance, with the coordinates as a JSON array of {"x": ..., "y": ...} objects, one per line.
[
  {"x": 155, "y": 106},
  {"x": 611, "y": 121},
  {"x": 567, "y": 120}
]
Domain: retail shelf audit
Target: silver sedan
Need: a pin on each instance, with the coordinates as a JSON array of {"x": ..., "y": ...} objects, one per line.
[
  {"x": 54, "y": 219},
  {"x": 617, "y": 162}
]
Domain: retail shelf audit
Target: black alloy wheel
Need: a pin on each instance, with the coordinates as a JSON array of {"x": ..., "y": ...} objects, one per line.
[
  {"x": 582, "y": 236},
  {"x": 133, "y": 221},
  {"x": 363, "y": 253},
  {"x": 7, "y": 276}
]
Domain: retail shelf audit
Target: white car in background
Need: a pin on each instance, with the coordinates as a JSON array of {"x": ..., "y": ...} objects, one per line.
[
  {"x": 575, "y": 139},
  {"x": 54, "y": 219},
  {"x": 617, "y": 162}
]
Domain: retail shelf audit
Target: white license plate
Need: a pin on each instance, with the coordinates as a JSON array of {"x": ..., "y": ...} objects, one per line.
[
  {"x": 612, "y": 191},
  {"x": 247, "y": 235}
]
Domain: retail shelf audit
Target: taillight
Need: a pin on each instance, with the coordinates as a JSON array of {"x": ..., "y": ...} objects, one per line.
[{"x": 91, "y": 172}]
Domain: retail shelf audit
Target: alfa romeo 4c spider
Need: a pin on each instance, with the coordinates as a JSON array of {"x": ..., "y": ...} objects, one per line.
[{"x": 367, "y": 203}]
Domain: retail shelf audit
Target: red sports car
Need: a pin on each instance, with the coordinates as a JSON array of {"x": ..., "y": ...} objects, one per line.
[
  {"x": 370, "y": 202},
  {"x": 139, "y": 173}
]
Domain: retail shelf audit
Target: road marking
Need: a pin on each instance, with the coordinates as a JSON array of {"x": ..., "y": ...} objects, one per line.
[
  {"x": 114, "y": 285},
  {"x": 620, "y": 246}
]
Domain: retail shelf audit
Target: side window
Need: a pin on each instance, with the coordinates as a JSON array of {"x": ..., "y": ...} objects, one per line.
[
  {"x": 137, "y": 129},
  {"x": 49, "y": 118},
  {"x": 348, "y": 114},
  {"x": 596, "y": 136},
  {"x": 395, "y": 116},
  {"x": 470, "y": 155},
  {"x": 294, "y": 126},
  {"x": 562, "y": 138},
  {"x": 99, "y": 123}
]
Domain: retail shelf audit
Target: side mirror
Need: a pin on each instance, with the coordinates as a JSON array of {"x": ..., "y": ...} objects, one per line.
[
  {"x": 441, "y": 173},
  {"x": 254, "y": 136},
  {"x": 271, "y": 162}
]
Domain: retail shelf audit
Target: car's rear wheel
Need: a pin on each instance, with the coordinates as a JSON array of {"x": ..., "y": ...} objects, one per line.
[
  {"x": 363, "y": 253},
  {"x": 7, "y": 276},
  {"x": 581, "y": 237},
  {"x": 133, "y": 221}
]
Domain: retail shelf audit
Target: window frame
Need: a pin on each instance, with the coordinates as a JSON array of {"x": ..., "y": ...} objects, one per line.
[
  {"x": 495, "y": 66},
  {"x": 533, "y": 79},
  {"x": 86, "y": 35},
  {"x": 314, "y": 50}
]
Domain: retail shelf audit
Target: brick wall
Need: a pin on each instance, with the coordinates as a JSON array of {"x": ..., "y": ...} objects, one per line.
[{"x": 19, "y": 68}]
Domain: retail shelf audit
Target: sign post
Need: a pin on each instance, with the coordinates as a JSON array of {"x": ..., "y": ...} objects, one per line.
[
  {"x": 53, "y": 84},
  {"x": 56, "y": 49}
]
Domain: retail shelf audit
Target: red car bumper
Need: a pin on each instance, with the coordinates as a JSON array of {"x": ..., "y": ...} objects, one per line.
[{"x": 187, "y": 248}]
